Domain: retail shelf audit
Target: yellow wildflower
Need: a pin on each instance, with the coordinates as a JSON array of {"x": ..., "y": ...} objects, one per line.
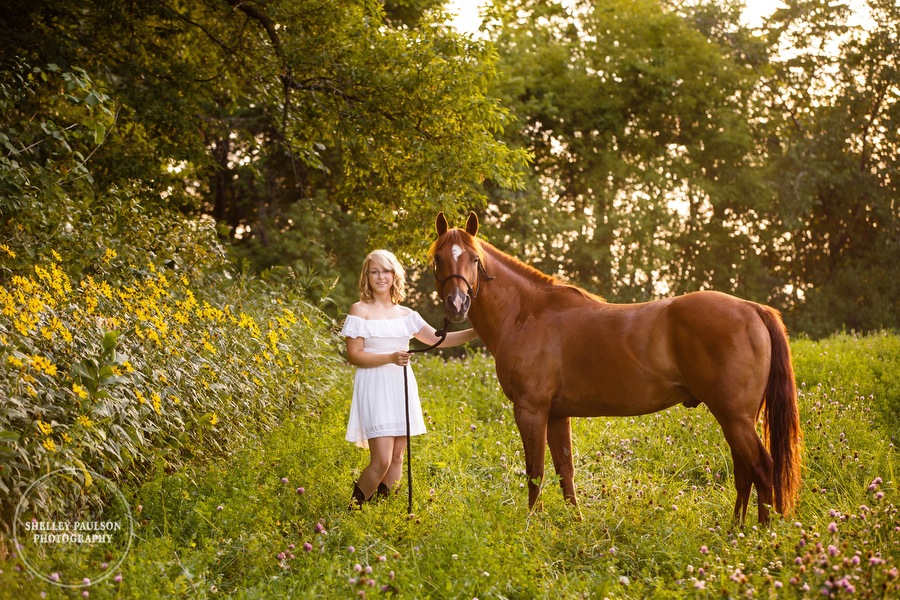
[
  {"x": 15, "y": 362},
  {"x": 157, "y": 403},
  {"x": 26, "y": 323},
  {"x": 35, "y": 304},
  {"x": 49, "y": 445},
  {"x": 42, "y": 363},
  {"x": 80, "y": 391},
  {"x": 9, "y": 303},
  {"x": 42, "y": 273},
  {"x": 176, "y": 400},
  {"x": 8, "y": 251},
  {"x": 56, "y": 255},
  {"x": 139, "y": 396},
  {"x": 84, "y": 421},
  {"x": 247, "y": 322},
  {"x": 105, "y": 290},
  {"x": 109, "y": 255},
  {"x": 63, "y": 331},
  {"x": 128, "y": 366},
  {"x": 45, "y": 428},
  {"x": 213, "y": 418},
  {"x": 66, "y": 438}
]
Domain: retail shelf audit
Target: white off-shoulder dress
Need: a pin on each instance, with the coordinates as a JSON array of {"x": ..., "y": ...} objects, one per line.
[{"x": 379, "y": 401}]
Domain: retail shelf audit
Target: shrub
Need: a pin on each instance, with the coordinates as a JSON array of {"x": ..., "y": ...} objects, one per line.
[{"x": 121, "y": 376}]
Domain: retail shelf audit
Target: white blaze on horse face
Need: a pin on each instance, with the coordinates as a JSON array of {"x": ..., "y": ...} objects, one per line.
[
  {"x": 458, "y": 302},
  {"x": 457, "y": 252}
]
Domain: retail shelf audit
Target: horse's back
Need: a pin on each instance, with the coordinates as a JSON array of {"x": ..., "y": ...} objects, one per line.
[{"x": 597, "y": 358}]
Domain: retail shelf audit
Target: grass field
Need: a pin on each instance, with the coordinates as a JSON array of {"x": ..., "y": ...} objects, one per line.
[{"x": 270, "y": 520}]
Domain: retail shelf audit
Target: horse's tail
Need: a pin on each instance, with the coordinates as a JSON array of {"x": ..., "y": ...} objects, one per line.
[{"x": 781, "y": 420}]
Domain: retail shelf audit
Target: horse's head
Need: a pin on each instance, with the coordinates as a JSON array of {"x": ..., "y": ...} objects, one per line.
[{"x": 457, "y": 258}]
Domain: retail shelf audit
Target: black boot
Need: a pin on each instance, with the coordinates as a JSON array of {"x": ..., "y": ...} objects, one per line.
[
  {"x": 383, "y": 491},
  {"x": 358, "y": 499}
]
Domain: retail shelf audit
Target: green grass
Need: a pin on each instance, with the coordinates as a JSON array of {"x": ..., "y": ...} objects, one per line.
[{"x": 656, "y": 499}]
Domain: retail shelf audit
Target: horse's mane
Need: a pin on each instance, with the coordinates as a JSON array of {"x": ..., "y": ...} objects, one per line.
[{"x": 518, "y": 266}]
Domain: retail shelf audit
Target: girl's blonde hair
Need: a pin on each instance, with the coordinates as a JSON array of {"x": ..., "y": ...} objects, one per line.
[{"x": 383, "y": 259}]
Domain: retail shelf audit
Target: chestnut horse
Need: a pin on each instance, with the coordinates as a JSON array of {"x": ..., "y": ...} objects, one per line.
[{"x": 562, "y": 352}]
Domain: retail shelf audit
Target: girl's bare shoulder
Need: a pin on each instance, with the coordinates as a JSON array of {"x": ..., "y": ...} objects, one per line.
[{"x": 360, "y": 309}]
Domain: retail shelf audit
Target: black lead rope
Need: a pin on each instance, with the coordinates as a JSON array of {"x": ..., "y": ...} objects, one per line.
[{"x": 442, "y": 335}]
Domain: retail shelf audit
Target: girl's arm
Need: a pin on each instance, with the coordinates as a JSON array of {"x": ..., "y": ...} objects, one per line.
[
  {"x": 358, "y": 357},
  {"x": 427, "y": 336}
]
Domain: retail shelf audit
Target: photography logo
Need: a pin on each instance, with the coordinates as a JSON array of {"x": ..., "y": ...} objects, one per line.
[{"x": 73, "y": 528}]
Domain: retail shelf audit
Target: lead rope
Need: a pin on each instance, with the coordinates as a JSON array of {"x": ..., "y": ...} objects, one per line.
[{"x": 442, "y": 335}]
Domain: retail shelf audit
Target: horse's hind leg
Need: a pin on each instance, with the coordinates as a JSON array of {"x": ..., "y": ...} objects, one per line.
[
  {"x": 743, "y": 485},
  {"x": 764, "y": 477},
  {"x": 559, "y": 437},
  {"x": 752, "y": 466}
]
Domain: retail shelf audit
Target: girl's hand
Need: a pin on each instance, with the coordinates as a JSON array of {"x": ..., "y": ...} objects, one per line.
[{"x": 400, "y": 358}]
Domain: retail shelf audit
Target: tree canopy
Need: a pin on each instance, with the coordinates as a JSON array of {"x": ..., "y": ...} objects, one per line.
[
  {"x": 638, "y": 148},
  {"x": 677, "y": 149},
  {"x": 301, "y": 127}
]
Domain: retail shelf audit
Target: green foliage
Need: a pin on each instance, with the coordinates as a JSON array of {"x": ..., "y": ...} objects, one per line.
[
  {"x": 671, "y": 146},
  {"x": 829, "y": 115},
  {"x": 677, "y": 149},
  {"x": 127, "y": 376},
  {"x": 634, "y": 112},
  {"x": 870, "y": 362},
  {"x": 271, "y": 519},
  {"x": 254, "y": 112},
  {"x": 51, "y": 206}
]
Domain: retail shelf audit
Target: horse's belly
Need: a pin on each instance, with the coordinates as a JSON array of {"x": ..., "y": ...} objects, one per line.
[{"x": 623, "y": 402}]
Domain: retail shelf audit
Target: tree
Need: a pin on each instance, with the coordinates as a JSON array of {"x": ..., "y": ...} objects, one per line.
[
  {"x": 271, "y": 115},
  {"x": 52, "y": 123},
  {"x": 835, "y": 153},
  {"x": 635, "y": 113}
]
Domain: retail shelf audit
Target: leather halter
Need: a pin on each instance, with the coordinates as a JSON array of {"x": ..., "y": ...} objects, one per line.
[{"x": 471, "y": 291}]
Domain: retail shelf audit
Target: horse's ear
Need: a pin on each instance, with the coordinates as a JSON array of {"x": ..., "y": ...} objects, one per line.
[
  {"x": 441, "y": 224},
  {"x": 472, "y": 224}
]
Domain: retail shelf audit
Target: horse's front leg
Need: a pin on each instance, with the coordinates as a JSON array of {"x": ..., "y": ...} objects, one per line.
[
  {"x": 533, "y": 429},
  {"x": 559, "y": 437}
]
